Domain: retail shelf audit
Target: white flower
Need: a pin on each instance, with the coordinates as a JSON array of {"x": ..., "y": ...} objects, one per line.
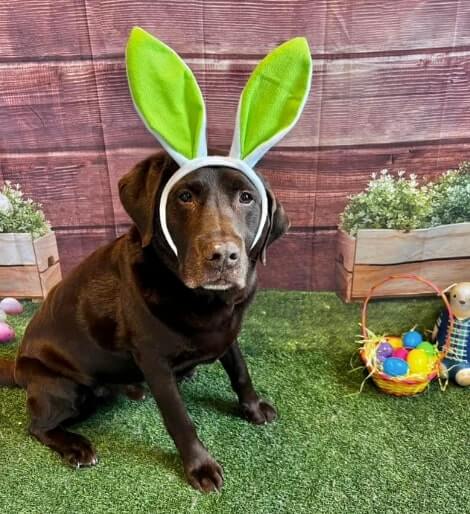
[{"x": 5, "y": 205}]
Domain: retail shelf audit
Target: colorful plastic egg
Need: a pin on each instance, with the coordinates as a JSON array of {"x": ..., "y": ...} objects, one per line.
[
  {"x": 419, "y": 362},
  {"x": 412, "y": 339},
  {"x": 395, "y": 367},
  {"x": 394, "y": 341},
  {"x": 400, "y": 353},
  {"x": 429, "y": 349},
  {"x": 6, "y": 333},
  {"x": 11, "y": 306},
  {"x": 383, "y": 351}
]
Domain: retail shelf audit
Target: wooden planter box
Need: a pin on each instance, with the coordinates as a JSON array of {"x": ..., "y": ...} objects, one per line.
[
  {"x": 29, "y": 268},
  {"x": 440, "y": 254}
]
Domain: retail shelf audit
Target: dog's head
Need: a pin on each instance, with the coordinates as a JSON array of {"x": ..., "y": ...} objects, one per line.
[{"x": 212, "y": 214}]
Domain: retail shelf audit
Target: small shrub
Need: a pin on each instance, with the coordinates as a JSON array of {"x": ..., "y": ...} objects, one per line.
[
  {"x": 450, "y": 197},
  {"x": 18, "y": 214},
  {"x": 395, "y": 202}
]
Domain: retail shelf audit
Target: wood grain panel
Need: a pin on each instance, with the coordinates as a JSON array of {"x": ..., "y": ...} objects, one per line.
[
  {"x": 289, "y": 263},
  {"x": 242, "y": 27},
  {"x": 302, "y": 261},
  {"x": 289, "y": 173},
  {"x": 73, "y": 187},
  {"x": 376, "y": 100},
  {"x": 39, "y": 29},
  {"x": 49, "y": 107},
  {"x": 74, "y": 246},
  {"x": 55, "y": 107}
]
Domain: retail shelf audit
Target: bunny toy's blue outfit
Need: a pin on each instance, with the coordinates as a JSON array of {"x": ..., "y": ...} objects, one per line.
[{"x": 458, "y": 357}]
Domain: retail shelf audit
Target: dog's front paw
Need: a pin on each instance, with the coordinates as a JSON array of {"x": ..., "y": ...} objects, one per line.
[
  {"x": 204, "y": 473},
  {"x": 259, "y": 412}
]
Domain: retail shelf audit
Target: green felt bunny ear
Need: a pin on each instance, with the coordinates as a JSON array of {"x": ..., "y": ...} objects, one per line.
[
  {"x": 272, "y": 100},
  {"x": 166, "y": 96}
]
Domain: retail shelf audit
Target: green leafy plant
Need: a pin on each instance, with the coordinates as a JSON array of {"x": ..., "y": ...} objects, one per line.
[
  {"x": 19, "y": 214},
  {"x": 395, "y": 202},
  {"x": 450, "y": 197}
]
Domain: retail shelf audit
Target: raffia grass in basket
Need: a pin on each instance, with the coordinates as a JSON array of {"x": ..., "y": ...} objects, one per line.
[{"x": 408, "y": 385}]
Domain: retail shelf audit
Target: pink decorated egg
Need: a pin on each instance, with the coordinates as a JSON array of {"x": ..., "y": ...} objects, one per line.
[
  {"x": 11, "y": 306},
  {"x": 7, "y": 334},
  {"x": 400, "y": 353}
]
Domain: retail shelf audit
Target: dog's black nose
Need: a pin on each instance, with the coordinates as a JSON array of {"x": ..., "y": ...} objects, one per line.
[
  {"x": 223, "y": 254},
  {"x": 462, "y": 302}
]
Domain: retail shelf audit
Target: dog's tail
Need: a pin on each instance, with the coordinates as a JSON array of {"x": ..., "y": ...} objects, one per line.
[{"x": 7, "y": 373}]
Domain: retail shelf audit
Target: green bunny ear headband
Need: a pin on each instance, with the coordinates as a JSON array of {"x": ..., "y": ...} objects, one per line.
[{"x": 170, "y": 103}]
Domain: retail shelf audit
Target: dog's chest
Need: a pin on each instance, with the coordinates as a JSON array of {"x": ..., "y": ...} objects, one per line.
[{"x": 208, "y": 343}]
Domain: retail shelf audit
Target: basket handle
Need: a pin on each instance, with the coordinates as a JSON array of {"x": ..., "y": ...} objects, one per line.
[{"x": 419, "y": 279}]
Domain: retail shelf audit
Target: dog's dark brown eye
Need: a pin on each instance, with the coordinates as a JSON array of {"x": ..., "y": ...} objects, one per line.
[
  {"x": 185, "y": 196},
  {"x": 246, "y": 197}
]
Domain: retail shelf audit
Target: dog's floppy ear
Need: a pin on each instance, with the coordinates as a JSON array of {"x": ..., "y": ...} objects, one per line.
[
  {"x": 278, "y": 223},
  {"x": 138, "y": 192}
]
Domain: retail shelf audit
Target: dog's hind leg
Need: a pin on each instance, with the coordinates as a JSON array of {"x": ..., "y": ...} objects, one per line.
[{"x": 53, "y": 401}]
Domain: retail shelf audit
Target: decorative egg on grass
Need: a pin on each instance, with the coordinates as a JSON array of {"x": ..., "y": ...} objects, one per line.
[
  {"x": 383, "y": 351},
  {"x": 7, "y": 334},
  {"x": 3, "y": 315},
  {"x": 395, "y": 367},
  {"x": 394, "y": 341},
  {"x": 400, "y": 353},
  {"x": 427, "y": 348},
  {"x": 11, "y": 306},
  {"x": 419, "y": 362},
  {"x": 412, "y": 339}
]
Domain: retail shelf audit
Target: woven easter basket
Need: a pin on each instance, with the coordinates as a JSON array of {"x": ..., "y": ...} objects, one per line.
[{"x": 411, "y": 384}]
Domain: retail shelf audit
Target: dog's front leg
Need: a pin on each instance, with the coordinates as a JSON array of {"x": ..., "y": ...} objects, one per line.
[
  {"x": 254, "y": 408},
  {"x": 202, "y": 471}
]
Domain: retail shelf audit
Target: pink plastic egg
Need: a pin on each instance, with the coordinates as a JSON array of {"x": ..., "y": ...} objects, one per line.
[
  {"x": 6, "y": 333},
  {"x": 11, "y": 306},
  {"x": 400, "y": 353}
]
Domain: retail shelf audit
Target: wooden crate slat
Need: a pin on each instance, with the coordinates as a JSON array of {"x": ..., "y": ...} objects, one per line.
[
  {"x": 46, "y": 251},
  {"x": 49, "y": 278},
  {"x": 442, "y": 273},
  {"x": 16, "y": 250},
  {"x": 376, "y": 246},
  {"x": 20, "y": 282},
  {"x": 346, "y": 250}
]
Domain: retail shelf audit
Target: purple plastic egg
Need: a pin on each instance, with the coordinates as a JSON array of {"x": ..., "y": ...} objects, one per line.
[
  {"x": 384, "y": 350},
  {"x": 11, "y": 306},
  {"x": 6, "y": 333}
]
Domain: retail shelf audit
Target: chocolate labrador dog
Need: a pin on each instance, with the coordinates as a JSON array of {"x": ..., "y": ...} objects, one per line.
[{"x": 133, "y": 312}]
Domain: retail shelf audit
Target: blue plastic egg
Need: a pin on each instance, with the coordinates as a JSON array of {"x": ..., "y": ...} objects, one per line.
[
  {"x": 412, "y": 339},
  {"x": 395, "y": 367}
]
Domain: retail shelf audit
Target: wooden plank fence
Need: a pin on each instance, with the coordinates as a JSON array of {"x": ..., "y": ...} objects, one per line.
[{"x": 391, "y": 89}]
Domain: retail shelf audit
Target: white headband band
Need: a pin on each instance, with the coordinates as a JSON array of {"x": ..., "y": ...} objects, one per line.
[{"x": 213, "y": 160}]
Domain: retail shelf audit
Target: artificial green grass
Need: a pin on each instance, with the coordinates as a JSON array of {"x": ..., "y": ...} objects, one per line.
[{"x": 331, "y": 450}]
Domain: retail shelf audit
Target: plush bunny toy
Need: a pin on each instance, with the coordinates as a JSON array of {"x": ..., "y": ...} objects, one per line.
[
  {"x": 457, "y": 363},
  {"x": 169, "y": 101}
]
